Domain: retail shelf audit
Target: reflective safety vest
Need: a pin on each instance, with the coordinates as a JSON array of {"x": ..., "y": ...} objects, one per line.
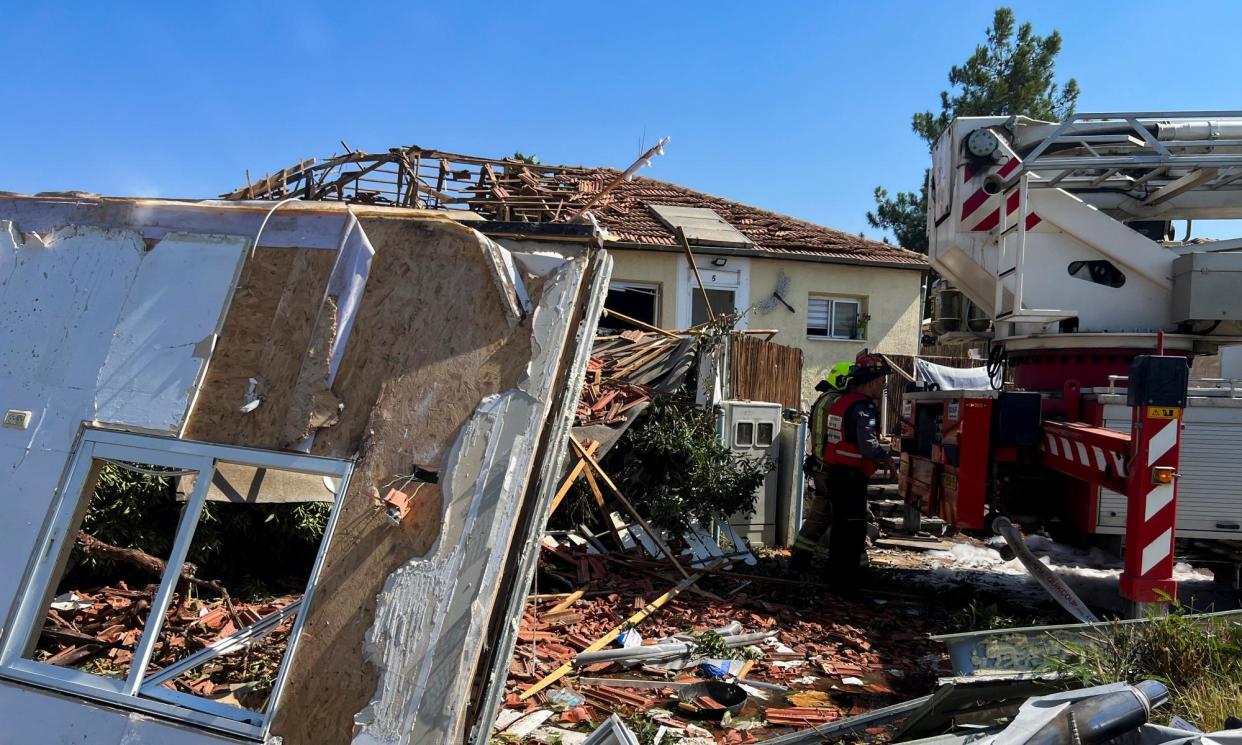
[
  {"x": 819, "y": 422},
  {"x": 838, "y": 451}
]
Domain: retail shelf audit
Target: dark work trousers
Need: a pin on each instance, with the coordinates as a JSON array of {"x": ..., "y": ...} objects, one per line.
[
  {"x": 848, "y": 489},
  {"x": 818, "y": 515}
]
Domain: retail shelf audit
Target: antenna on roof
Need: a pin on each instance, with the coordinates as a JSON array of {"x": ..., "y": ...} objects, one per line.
[{"x": 626, "y": 175}]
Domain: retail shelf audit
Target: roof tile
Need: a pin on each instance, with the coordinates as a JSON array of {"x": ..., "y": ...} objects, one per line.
[{"x": 624, "y": 213}]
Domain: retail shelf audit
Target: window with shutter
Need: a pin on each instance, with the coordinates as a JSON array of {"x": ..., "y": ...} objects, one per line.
[{"x": 833, "y": 318}]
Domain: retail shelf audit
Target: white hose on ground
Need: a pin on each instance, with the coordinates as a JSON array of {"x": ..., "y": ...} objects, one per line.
[{"x": 1057, "y": 588}]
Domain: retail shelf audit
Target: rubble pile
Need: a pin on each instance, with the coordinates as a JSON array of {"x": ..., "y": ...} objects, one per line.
[
  {"x": 620, "y": 373},
  {"x": 98, "y": 631},
  {"x": 814, "y": 658}
]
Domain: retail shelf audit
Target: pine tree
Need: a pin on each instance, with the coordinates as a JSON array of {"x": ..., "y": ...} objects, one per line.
[{"x": 1012, "y": 73}]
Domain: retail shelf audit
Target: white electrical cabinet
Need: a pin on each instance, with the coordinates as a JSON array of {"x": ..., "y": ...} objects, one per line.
[{"x": 753, "y": 428}]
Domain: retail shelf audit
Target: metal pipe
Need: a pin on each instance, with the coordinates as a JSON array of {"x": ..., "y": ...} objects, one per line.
[
  {"x": 670, "y": 650},
  {"x": 1102, "y": 718},
  {"x": 1216, "y": 129}
]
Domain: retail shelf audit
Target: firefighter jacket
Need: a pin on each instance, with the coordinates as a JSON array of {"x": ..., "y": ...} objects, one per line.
[{"x": 851, "y": 420}]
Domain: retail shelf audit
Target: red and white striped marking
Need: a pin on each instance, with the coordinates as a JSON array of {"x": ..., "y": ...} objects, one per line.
[
  {"x": 1107, "y": 462},
  {"x": 1151, "y": 513},
  {"x": 979, "y": 197}
]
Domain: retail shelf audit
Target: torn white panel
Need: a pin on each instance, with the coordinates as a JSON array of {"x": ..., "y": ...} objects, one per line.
[
  {"x": 540, "y": 262},
  {"x": 433, "y": 612},
  {"x": 513, "y": 296},
  {"x": 167, "y": 328},
  {"x": 347, "y": 283},
  {"x": 425, "y": 610},
  {"x": 346, "y": 286},
  {"x": 551, "y": 468},
  {"x": 516, "y": 277},
  {"x": 61, "y": 304}
]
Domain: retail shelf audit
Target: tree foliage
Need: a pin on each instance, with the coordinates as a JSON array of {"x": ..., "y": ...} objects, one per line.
[
  {"x": 675, "y": 470},
  {"x": 1012, "y": 73},
  {"x": 253, "y": 548}
]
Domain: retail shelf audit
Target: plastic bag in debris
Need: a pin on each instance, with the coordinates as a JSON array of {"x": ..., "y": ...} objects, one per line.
[
  {"x": 565, "y": 697},
  {"x": 630, "y": 638},
  {"x": 718, "y": 669}
]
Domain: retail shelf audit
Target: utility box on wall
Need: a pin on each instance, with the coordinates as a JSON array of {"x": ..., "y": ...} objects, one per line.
[{"x": 753, "y": 428}]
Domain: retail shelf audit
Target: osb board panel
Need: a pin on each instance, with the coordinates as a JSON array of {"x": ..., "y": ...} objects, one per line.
[
  {"x": 265, "y": 336},
  {"x": 430, "y": 341}
]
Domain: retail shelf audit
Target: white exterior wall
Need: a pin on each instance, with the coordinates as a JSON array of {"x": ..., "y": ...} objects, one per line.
[{"x": 893, "y": 298}]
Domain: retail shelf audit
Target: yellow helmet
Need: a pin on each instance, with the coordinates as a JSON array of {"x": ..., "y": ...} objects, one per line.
[{"x": 839, "y": 375}]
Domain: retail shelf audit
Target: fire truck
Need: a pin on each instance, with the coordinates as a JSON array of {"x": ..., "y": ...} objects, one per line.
[{"x": 1058, "y": 243}]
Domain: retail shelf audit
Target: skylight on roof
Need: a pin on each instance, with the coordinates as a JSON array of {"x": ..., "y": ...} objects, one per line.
[{"x": 703, "y": 227}]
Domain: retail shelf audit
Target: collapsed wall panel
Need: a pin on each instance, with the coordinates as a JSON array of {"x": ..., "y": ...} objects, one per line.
[
  {"x": 452, "y": 360},
  {"x": 431, "y": 340},
  {"x": 95, "y": 326}
]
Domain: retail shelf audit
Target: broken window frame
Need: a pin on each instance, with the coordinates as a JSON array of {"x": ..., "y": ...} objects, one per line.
[
  {"x": 21, "y": 634},
  {"x": 652, "y": 289}
]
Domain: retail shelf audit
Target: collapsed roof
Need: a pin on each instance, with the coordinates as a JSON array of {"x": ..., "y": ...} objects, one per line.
[{"x": 635, "y": 211}]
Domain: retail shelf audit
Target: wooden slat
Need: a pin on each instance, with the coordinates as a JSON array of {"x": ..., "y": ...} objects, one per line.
[
  {"x": 608, "y": 638},
  {"x": 764, "y": 371}
]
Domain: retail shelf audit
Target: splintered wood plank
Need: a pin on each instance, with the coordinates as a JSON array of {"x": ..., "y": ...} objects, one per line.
[
  {"x": 573, "y": 476},
  {"x": 594, "y": 464}
]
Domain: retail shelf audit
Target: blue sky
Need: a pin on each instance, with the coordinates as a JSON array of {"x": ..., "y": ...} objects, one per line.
[{"x": 802, "y": 108}]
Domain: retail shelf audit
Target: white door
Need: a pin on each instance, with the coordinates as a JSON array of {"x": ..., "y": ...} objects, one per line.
[{"x": 727, "y": 281}]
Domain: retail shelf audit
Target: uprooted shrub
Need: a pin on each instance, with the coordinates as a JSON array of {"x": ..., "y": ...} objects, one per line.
[{"x": 672, "y": 466}]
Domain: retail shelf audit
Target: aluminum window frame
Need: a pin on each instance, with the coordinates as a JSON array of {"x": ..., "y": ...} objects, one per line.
[
  {"x": 20, "y": 634},
  {"x": 832, "y": 302}
]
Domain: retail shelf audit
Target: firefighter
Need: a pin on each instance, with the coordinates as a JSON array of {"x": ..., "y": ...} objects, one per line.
[
  {"x": 819, "y": 512},
  {"x": 852, "y": 452}
]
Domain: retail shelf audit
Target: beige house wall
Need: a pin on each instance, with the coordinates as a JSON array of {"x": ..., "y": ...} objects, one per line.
[
  {"x": 651, "y": 267},
  {"x": 891, "y": 296}
]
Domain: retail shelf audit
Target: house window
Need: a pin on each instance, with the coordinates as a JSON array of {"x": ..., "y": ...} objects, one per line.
[
  {"x": 635, "y": 300},
  {"x": 174, "y": 577},
  {"x": 834, "y": 318}
]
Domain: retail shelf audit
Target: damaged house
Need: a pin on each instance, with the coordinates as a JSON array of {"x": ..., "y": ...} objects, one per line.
[
  {"x": 390, "y": 376},
  {"x": 337, "y": 402},
  {"x": 826, "y": 292}
]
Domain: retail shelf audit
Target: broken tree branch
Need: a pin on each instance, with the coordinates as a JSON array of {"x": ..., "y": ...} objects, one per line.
[{"x": 92, "y": 546}]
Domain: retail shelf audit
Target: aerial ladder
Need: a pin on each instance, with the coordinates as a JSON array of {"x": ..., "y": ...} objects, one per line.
[{"x": 1054, "y": 241}]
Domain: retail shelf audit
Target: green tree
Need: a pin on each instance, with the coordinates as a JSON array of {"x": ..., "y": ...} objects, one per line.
[{"x": 1012, "y": 73}]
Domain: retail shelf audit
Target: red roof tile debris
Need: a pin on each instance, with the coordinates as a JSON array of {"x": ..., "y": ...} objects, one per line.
[{"x": 625, "y": 214}]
